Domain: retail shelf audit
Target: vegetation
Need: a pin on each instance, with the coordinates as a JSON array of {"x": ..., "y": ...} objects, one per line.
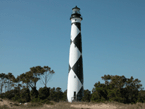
[
  {"x": 120, "y": 89},
  {"x": 116, "y": 88}
]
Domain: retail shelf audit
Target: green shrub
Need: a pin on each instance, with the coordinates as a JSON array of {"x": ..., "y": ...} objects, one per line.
[
  {"x": 43, "y": 93},
  {"x": 9, "y": 94},
  {"x": 34, "y": 100},
  {"x": 16, "y": 97},
  {"x": 45, "y": 101},
  {"x": 25, "y": 95},
  {"x": 34, "y": 93},
  {"x": 87, "y": 96}
]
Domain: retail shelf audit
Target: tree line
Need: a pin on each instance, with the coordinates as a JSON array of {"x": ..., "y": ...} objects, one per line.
[{"x": 116, "y": 88}]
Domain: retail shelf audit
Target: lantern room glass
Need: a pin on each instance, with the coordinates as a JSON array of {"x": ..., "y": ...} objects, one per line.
[{"x": 75, "y": 11}]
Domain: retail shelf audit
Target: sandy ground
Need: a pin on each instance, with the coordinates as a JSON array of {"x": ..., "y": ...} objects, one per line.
[
  {"x": 96, "y": 106},
  {"x": 64, "y": 105},
  {"x": 4, "y": 102}
]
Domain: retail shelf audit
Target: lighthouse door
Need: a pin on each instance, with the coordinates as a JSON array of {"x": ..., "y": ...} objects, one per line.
[{"x": 74, "y": 95}]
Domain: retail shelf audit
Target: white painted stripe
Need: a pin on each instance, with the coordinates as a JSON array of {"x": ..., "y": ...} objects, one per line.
[
  {"x": 74, "y": 31},
  {"x": 74, "y": 54},
  {"x": 74, "y": 84}
]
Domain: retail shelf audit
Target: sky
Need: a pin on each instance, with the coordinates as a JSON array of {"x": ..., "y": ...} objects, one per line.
[{"x": 37, "y": 33}]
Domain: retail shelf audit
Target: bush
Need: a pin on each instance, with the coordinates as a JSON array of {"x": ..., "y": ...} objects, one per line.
[
  {"x": 25, "y": 95},
  {"x": 34, "y": 93},
  {"x": 87, "y": 96},
  {"x": 9, "y": 94},
  {"x": 64, "y": 98},
  {"x": 45, "y": 101},
  {"x": 141, "y": 96},
  {"x": 58, "y": 94},
  {"x": 2, "y": 95},
  {"x": 34, "y": 100},
  {"x": 43, "y": 93},
  {"x": 16, "y": 97},
  {"x": 52, "y": 95}
]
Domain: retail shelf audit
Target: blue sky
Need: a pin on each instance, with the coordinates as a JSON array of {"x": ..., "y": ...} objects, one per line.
[{"x": 37, "y": 32}]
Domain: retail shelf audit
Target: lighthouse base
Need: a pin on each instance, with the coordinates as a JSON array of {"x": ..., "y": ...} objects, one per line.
[{"x": 76, "y": 97}]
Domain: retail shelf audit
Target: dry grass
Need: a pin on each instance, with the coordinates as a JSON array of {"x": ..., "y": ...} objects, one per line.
[{"x": 75, "y": 105}]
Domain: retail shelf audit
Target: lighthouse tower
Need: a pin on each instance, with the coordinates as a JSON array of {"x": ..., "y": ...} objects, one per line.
[{"x": 75, "y": 88}]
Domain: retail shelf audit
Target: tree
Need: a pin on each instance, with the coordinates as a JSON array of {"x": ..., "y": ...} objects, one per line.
[
  {"x": 34, "y": 93},
  {"x": 2, "y": 81},
  {"x": 35, "y": 73},
  {"x": 87, "y": 95},
  {"x": 25, "y": 95},
  {"x": 115, "y": 87},
  {"x": 6, "y": 80},
  {"x": 59, "y": 94},
  {"x": 124, "y": 89},
  {"x": 17, "y": 86},
  {"x": 9, "y": 77},
  {"x": 99, "y": 92},
  {"x": 116, "y": 81},
  {"x": 30, "y": 81},
  {"x": 31, "y": 77},
  {"x": 10, "y": 94},
  {"x": 132, "y": 90},
  {"x": 25, "y": 78},
  {"x": 34, "y": 76},
  {"x": 44, "y": 93},
  {"x": 47, "y": 75},
  {"x": 16, "y": 93},
  {"x": 141, "y": 96},
  {"x": 52, "y": 95},
  {"x": 119, "y": 88},
  {"x": 64, "y": 98}
]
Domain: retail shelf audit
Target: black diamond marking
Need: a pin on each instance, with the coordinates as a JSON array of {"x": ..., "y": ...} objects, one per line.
[
  {"x": 80, "y": 94},
  {"x": 78, "y": 69},
  {"x": 69, "y": 69},
  {"x": 77, "y": 41},
  {"x": 78, "y": 25},
  {"x": 70, "y": 41}
]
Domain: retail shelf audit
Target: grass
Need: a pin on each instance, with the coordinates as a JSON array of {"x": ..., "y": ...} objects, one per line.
[{"x": 66, "y": 105}]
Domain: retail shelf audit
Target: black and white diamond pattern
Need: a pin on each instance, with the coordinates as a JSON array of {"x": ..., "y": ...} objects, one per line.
[
  {"x": 74, "y": 31},
  {"x": 75, "y": 76},
  {"x": 74, "y": 54}
]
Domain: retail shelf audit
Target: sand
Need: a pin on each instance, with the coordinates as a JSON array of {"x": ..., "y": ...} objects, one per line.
[{"x": 64, "y": 105}]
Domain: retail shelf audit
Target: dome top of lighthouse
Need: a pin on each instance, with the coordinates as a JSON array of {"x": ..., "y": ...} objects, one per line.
[
  {"x": 76, "y": 13},
  {"x": 76, "y": 8}
]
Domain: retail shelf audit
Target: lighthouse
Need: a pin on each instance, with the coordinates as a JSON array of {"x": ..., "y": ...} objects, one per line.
[{"x": 75, "y": 90}]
